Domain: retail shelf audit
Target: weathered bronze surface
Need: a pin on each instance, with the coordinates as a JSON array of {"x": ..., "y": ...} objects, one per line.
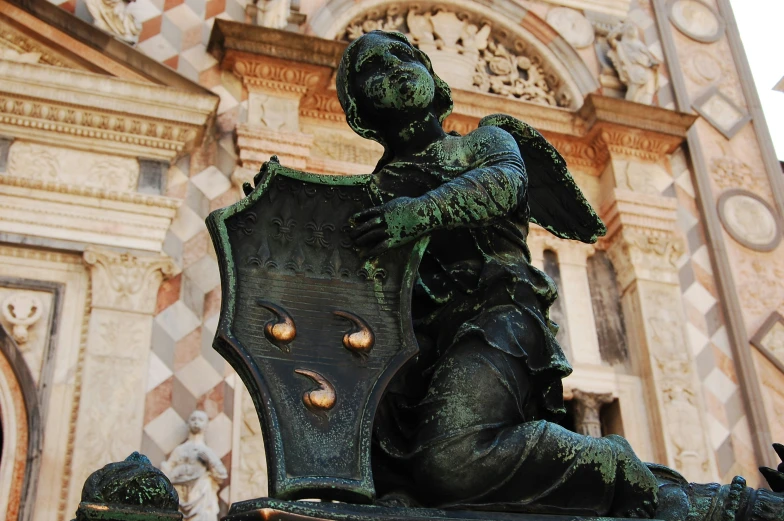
[
  {"x": 315, "y": 331},
  {"x": 130, "y": 490},
  {"x": 471, "y": 422}
]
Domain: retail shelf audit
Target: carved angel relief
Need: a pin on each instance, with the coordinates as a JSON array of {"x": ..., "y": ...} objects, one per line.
[{"x": 467, "y": 54}]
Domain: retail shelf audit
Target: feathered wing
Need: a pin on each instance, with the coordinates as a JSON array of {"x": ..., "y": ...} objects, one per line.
[{"x": 555, "y": 201}]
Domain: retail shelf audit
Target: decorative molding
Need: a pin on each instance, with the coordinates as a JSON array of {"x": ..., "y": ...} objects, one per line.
[
  {"x": 697, "y": 20},
  {"x": 587, "y": 411},
  {"x": 48, "y": 163},
  {"x": 749, "y": 219},
  {"x": 126, "y": 282},
  {"x": 256, "y": 144},
  {"x": 769, "y": 340},
  {"x": 13, "y": 39},
  {"x": 277, "y": 76},
  {"x": 324, "y": 106},
  {"x": 77, "y": 109},
  {"x": 90, "y": 215},
  {"x": 619, "y": 8},
  {"x": 721, "y": 112}
]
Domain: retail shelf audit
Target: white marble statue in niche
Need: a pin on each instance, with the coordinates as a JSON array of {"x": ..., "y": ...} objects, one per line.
[
  {"x": 196, "y": 472},
  {"x": 637, "y": 67}
]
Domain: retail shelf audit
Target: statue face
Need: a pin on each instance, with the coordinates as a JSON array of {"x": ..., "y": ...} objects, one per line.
[
  {"x": 197, "y": 422},
  {"x": 388, "y": 76}
]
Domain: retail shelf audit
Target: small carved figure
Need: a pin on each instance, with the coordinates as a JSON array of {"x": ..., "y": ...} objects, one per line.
[
  {"x": 637, "y": 67},
  {"x": 113, "y": 16},
  {"x": 22, "y": 310},
  {"x": 196, "y": 472}
]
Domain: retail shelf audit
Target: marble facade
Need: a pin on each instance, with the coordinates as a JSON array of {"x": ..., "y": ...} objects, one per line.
[{"x": 120, "y": 132}]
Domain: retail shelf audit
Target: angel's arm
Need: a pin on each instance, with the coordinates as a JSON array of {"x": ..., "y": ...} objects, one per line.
[{"x": 494, "y": 188}]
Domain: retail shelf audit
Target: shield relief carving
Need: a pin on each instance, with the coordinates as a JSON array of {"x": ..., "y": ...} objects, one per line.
[{"x": 315, "y": 331}]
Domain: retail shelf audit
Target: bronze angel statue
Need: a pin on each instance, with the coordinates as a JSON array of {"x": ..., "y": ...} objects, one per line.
[{"x": 472, "y": 422}]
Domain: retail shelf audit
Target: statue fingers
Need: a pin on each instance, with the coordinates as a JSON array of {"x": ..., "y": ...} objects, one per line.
[
  {"x": 371, "y": 237},
  {"x": 366, "y": 215},
  {"x": 367, "y": 227}
]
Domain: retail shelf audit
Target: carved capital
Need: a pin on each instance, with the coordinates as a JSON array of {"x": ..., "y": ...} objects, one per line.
[
  {"x": 587, "y": 409},
  {"x": 281, "y": 78},
  {"x": 126, "y": 282},
  {"x": 639, "y": 144}
]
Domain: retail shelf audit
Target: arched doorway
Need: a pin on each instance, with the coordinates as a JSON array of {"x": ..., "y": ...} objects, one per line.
[{"x": 20, "y": 442}]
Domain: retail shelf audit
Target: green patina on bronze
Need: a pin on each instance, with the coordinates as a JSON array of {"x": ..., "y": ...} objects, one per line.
[{"x": 129, "y": 490}]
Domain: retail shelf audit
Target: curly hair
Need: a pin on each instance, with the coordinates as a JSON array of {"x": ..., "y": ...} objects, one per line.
[{"x": 442, "y": 101}]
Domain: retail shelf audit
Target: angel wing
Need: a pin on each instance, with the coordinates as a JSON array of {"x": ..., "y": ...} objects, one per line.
[{"x": 555, "y": 201}]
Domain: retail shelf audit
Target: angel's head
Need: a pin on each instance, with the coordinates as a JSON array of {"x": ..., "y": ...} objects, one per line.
[{"x": 383, "y": 76}]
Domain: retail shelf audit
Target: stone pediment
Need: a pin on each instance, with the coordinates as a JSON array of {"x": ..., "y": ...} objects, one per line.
[{"x": 37, "y": 32}]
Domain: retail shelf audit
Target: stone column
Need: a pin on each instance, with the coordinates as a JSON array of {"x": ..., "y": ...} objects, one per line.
[
  {"x": 644, "y": 246},
  {"x": 587, "y": 411},
  {"x": 110, "y": 416}
]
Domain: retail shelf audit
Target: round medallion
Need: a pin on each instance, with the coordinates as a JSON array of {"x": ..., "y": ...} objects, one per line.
[
  {"x": 572, "y": 25},
  {"x": 697, "y": 20},
  {"x": 704, "y": 67},
  {"x": 749, "y": 220}
]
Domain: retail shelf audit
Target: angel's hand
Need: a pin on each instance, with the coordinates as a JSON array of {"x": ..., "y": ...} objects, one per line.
[{"x": 393, "y": 224}]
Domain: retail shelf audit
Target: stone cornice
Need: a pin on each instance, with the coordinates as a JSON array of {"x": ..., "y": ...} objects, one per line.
[
  {"x": 229, "y": 38},
  {"x": 80, "y": 109},
  {"x": 87, "y": 215}
]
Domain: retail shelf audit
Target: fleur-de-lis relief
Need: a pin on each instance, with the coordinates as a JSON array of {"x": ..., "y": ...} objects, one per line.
[
  {"x": 285, "y": 229},
  {"x": 297, "y": 263},
  {"x": 370, "y": 272},
  {"x": 244, "y": 223},
  {"x": 263, "y": 257},
  {"x": 318, "y": 238}
]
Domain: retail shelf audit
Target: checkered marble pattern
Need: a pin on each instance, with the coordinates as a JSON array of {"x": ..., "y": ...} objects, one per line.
[
  {"x": 185, "y": 373},
  {"x": 707, "y": 337}
]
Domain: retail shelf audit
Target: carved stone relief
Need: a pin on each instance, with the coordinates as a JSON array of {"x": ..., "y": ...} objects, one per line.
[
  {"x": 25, "y": 314},
  {"x": 469, "y": 53},
  {"x": 758, "y": 298},
  {"x": 115, "y": 17},
  {"x": 731, "y": 172},
  {"x": 127, "y": 282},
  {"x": 572, "y": 25},
  {"x": 749, "y": 220},
  {"x": 676, "y": 380},
  {"x": 697, "y": 20},
  {"x": 22, "y": 310},
  {"x": 702, "y": 67},
  {"x": 48, "y": 163}
]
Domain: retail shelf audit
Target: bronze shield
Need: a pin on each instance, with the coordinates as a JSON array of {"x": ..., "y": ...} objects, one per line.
[{"x": 314, "y": 331}]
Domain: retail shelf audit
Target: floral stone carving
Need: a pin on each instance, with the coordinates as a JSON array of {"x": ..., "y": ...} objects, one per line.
[
  {"x": 114, "y": 17},
  {"x": 467, "y": 53}
]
